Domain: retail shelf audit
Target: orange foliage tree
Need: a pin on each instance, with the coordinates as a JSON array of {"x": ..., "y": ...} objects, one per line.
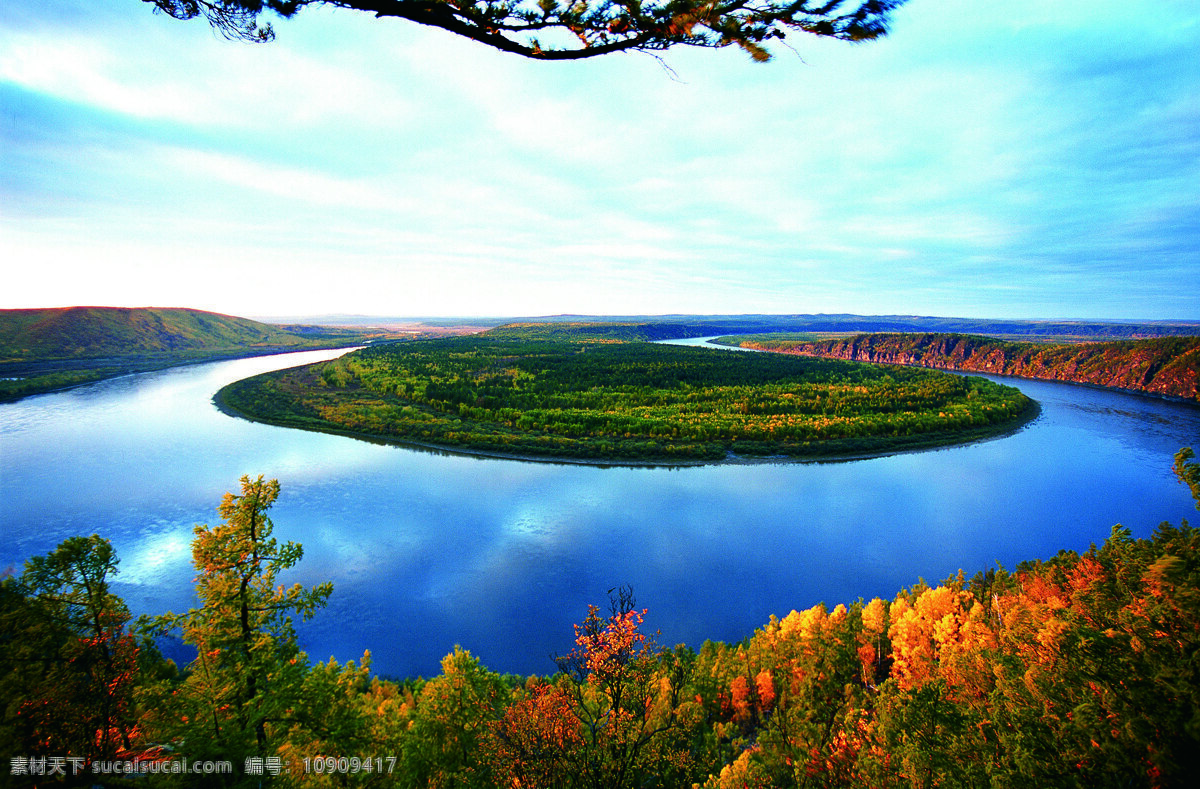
[
  {"x": 616, "y": 708},
  {"x": 69, "y": 662}
]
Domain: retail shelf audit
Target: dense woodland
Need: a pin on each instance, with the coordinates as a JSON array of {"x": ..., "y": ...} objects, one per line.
[
  {"x": 1168, "y": 366},
  {"x": 600, "y": 392},
  {"x": 1073, "y": 671}
]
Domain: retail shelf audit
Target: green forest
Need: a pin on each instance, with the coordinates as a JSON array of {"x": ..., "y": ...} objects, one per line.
[
  {"x": 592, "y": 392},
  {"x": 1081, "y": 670}
]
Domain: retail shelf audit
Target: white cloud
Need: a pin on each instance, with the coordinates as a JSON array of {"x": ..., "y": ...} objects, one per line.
[
  {"x": 81, "y": 70},
  {"x": 358, "y": 164},
  {"x": 290, "y": 183},
  {"x": 203, "y": 81}
]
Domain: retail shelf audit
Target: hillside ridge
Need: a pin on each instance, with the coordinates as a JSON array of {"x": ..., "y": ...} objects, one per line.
[
  {"x": 88, "y": 332},
  {"x": 1165, "y": 366},
  {"x": 44, "y": 350}
]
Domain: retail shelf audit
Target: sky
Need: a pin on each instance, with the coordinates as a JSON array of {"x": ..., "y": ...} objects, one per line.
[{"x": 1024, "y": 159}]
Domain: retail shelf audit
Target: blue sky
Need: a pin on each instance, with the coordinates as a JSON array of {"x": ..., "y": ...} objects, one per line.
[{"x": 1020, "y": 159}]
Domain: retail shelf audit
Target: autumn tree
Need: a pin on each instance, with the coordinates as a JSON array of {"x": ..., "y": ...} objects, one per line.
[
  {"x": 536, "y": 739},
  {"x": 442, "y": 746},
  {"x": 343, "y": 710},
  {"x": 1188, "y": 471},
  {"x": 811, "y": 736},
  {"x": 245, "y": 684},
  {"x": 574, "y": 29},
  {"x": 67, "y": 657},
  {"x": 613, "y": 717}
]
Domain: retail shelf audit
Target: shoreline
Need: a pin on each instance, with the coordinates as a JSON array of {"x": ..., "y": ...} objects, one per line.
[
  {"x": 124, "y": 366},
  {"x": 966, "y": 371},
  {"x": 930, "y": 444}
]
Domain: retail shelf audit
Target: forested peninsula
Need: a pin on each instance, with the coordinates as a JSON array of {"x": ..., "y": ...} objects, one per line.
[
  {"x": 42, "y": 350},
  {"x": 600, "y": 393},
  {"x": 1164, "y": 366}
]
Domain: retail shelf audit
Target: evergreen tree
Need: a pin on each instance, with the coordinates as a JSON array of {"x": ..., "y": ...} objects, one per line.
[{"x": 242, "y": 690}]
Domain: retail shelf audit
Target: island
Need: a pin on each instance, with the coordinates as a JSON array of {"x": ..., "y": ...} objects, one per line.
[{"x": 601, "y": 393}]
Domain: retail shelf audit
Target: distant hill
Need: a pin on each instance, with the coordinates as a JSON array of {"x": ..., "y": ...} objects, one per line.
[
  {"x": 1168, "y": 366},
  {"x": 675, "y": 326},
  {"x": 42, "y": 350},
  {"x": 671, "y": 327},
  {"x": 89, "y": 332},
  {"x": 659, "y": 327}
]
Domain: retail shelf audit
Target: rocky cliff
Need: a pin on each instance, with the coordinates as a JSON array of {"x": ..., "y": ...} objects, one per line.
[{"x": 1167, "y": 366}]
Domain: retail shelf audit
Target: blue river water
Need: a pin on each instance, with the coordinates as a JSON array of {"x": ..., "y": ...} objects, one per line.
[{"x": 427, "y": 550}]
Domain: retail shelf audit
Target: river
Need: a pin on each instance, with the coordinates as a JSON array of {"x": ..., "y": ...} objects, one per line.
[{"x": 427, "y": 550}]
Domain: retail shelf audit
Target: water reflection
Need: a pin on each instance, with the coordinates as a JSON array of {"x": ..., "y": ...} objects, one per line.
[{"x": 430, "y": 549}]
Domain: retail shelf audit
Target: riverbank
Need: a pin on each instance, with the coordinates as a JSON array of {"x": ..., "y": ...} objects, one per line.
[
  {"x": 53, "y": 349},
  {"x": 631, "y": 404},
  {"x": 930, "y": 443},
  {"x": 26, "y": 379},
  {"x": 433, "y": 542},
  {"x": 1166, "y": 367}
]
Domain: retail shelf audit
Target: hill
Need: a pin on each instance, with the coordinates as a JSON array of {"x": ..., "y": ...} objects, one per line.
[
  {"x": 1166, "y": 366},
  {"x": 46, "y": 349},
  {"x": 662, "y": 327},
  {"x": 90, "y": 332}
]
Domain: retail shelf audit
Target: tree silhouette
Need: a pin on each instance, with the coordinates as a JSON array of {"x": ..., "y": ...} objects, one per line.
[{"x": 575, "y": 29}]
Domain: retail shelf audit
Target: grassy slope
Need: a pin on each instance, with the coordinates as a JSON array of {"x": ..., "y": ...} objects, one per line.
[
  {"x": 46, "y": 349},
  {"x": 89, "y": 332}
]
